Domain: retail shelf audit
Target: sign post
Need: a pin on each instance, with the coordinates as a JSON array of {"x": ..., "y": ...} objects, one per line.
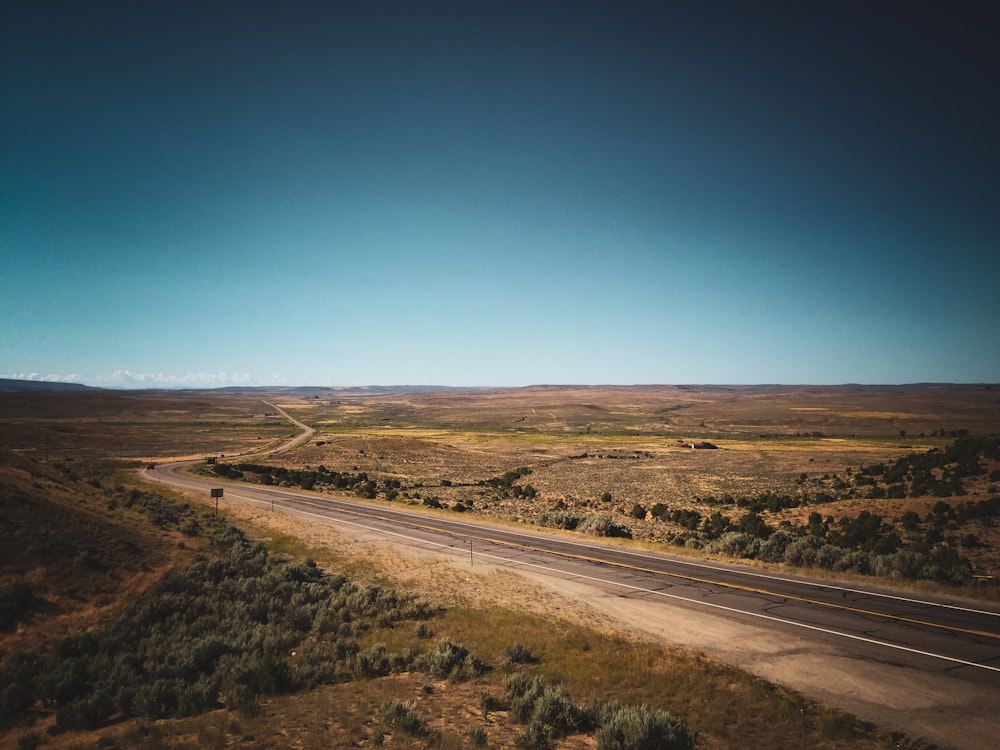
[{"x": 216, "y": 493}]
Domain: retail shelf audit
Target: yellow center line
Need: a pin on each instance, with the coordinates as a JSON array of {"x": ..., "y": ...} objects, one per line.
[{"x": 684, "y": 577}]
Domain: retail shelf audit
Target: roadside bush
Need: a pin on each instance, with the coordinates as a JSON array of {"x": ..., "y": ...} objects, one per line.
[
  {"x": 371, "y": 662},
  {"x": 643, "y": 728},
  {"x": 856, "y": 561},
  {"x": 549, "y": 713},
  {"x": 478, "y": 736},
  {"x": 518, "y": 654},
  {"x": 17, "y": 682},
  {"x": 489, "y": 702},
  {"x": 801, "y": 552},
  {"x": 225, "y": 625},
  {"x": 736, "y": 544},
  {"x": 521, "y": 694},
  {"x": 882, "y": 565},
  {"x": 561, "y": 519},
  {"x": 450, "y": 660},
  {"x": 908, "y": 564},
  {"x": 773, "y": 548},
  {"x": 715, "y": 525},
  {"x": 603, "y": 525},
  {"x": 754, "y": 525},
  {"x": 535, "y": 736},
  {"x": 534, "y": 702},
  {"x": 554, "y": 708},
  {"x": 401, "y": 716},
  {"x": 828, "y": 556},
  {"x": 16, "y": 603},
  {"x": 689, "y": 519},
  {"x": 946, "y": 565}
]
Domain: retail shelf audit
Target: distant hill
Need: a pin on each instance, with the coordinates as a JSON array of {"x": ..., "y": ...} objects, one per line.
[
  {"x": 16, "y": 386},
  {"x": 361, "y": 390}
]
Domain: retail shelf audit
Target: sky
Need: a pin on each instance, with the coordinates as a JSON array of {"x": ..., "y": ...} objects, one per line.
[{"x": 201, "y": 194}]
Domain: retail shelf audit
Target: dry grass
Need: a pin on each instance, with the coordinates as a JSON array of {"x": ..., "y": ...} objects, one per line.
[
  {"x": 488, "y": 610},
  {"x": 444, "y": 443},
  {"x": 583, "y": 442},
  {"x": 80, "y": 560},
  {"x": 136, "y": 424},
  {"x": 629, "y": 437}
]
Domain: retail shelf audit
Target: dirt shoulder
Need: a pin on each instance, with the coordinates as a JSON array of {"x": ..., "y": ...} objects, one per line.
[{"x": 934, "y": 707}]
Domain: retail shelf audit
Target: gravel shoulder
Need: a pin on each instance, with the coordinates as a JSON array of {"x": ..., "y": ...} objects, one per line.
[{"x": 932, "y": 706}]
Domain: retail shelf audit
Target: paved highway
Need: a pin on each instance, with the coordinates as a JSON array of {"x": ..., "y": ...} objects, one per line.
[{"x": 939, "y": 635}]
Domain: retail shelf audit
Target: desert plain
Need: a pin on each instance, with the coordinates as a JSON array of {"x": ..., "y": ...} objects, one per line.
[{"x": 645, "y": 457}]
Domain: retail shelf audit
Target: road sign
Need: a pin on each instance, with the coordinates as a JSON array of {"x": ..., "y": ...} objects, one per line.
[{"x": 216, "y": 493}]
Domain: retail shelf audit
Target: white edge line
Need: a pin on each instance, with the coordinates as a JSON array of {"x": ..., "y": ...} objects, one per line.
[
  {"x": 680, "y": 561},
  {"x": 647, "y": 591},
  {"x": 737, "y": 571}
]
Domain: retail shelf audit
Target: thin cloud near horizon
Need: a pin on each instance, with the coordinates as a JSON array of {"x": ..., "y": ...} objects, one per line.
[{"x": 127, "y": 379}]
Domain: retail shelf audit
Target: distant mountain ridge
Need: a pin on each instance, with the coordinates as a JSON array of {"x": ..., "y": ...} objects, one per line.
[
  {"x": 353, "y": 390},
  {"x": 15, "y": 386},
  {"x": 8, "y": 385}
]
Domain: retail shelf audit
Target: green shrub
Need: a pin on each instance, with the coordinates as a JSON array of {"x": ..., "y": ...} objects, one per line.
[
  {"x": 449, "y": 659},
  {"x": 736, "y": 544},
  {"x": 400, "y": 716},
  {"x": 773, "y": 548},
  {"x": 532, "y": 701},
  {"x": 603, "y": 525},
  {"x": 16, "y": 603},
  {"x": 372, "y": 662},
  {"x": 518, "y": 654},
  {"x": 828, "y": 556},
  {"x": 223, "y": 626},
  {"x": 561, "y": 519},
  {"x": 489, "y": 702},
  {"x": 659, "y": 510},
  {"x": 535, "y": 736},
  {"x": 477, "y": 735},
  {"x": 554, "y": 708},
  {"x": 643, "y": 728}
]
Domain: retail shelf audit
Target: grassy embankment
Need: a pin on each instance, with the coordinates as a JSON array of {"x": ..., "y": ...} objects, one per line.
[{"x": 92, "y": 547}]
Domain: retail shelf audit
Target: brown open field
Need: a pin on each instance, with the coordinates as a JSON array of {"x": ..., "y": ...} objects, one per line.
[
  {"x": 142, "y": 425},
  {"x": 88, "y": 557},
  {"x": 578, "y": 442},
  {"x": 633, "y": 442},
  {"x": 445, "y": 445}
]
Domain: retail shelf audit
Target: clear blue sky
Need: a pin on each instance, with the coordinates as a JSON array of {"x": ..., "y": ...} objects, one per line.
[{"x": 499, "y": 193}]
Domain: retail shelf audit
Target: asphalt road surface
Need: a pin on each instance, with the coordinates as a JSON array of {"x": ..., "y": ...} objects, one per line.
[{"x": 889, "y": 649}]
